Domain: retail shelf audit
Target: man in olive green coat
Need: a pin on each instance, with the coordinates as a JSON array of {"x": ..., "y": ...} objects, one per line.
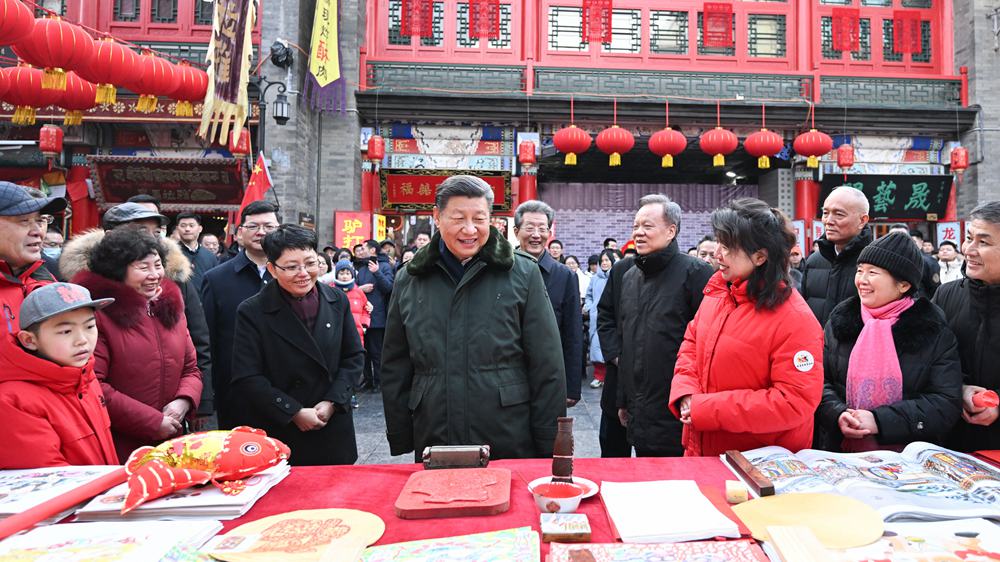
[{"x": 472, "y": 353}]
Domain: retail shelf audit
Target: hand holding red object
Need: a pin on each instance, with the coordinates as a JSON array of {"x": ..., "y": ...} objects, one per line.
[{"x": 986, "y": 399}]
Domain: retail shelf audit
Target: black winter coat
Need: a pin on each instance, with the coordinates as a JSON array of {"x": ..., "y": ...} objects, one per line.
[
  {"x": 610, "y": 333},
  {"x": 973, "y": 312},
  {"x": 932, "y": 377},
  {"x": 279, "y": 368},
  {"x": 379, "y": 297},
  {"x": 828, "y": 277},
  {"x": 564, "y": 294},
  {"x": 659, "y": 297}
]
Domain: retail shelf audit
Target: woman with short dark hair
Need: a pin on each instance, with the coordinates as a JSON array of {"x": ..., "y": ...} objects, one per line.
[
  {"x": 144, "y": 358},
  {"x": 749, "y": 373},
  {"x": 297, "y": 354}
]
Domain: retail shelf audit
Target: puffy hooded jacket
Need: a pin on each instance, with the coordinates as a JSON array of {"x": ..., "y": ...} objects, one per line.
[
  {"x": 51, "y": 415},
  {"x": 755, "y": 376},
  {"x": 14, "y": 289}
]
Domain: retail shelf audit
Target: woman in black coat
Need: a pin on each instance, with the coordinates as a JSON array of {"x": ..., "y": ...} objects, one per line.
[
  {"x": 885, "y": 391},
  {"x": 295, "y": 355}
]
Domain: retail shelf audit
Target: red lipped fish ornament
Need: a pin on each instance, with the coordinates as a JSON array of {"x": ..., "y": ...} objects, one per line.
[{"x": 223, "y": 458}]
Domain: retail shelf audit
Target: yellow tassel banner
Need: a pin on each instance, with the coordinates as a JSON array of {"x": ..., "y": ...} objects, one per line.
[
  {"x": 184, "y": 109},
  {"x": 570, "y": 159},
  {"x": 763, "y": 162},
  {"x": 54, "y": 79},
  {"x": 106, "y": 93},
  {"x": 73, "y": 118},
  {"x": 813, "y": 162},
  {"x": 23, "y": 115},
  {"x": 667, "y": 161},
  {"x": 615, "y": 159},
  {"x": 146, "y": 104},
  {"x": 719, "y": 160}
]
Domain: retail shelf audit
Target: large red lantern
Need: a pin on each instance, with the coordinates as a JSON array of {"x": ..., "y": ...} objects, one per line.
[
  {"x": 26, "y": 93},
  {"x": 191, "y": 89},
  {"x": 4, "y": 83},
  {"x": 376, "y": 148},
  {"x": 718, "y": 142},
  {"x": 813, "y": 145},
  {"x": 667, "y": 143},
  {"x": 57, "y": 46},
  {"x": 240, "y": 147},
  {"x": 526, "y": 153},
  {"x": 615, "y": 141},
  {"x": 50, "y": 142},
  {"x": 79, "y": 96},
  {"x": 845, "y": 156},
  {"x": 571, "y": 141},
  {"x": 156, "y": 79},
  {"x": 16, "y": 21},
  {"x": 959, "y": 160},
  {"x": 111, "y": 63},
  {"x": 764, "y": 144}
]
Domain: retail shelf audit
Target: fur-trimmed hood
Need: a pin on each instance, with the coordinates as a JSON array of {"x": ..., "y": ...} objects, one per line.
[
  {"x": 497, "y": 253},
  {"x": 130, "y": 306},
  {"x": 75, "y": 257},
  {"x": 917, "y": 328}
]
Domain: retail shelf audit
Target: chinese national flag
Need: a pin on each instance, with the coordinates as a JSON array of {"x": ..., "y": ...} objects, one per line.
[{"x": 260, "y": 182}]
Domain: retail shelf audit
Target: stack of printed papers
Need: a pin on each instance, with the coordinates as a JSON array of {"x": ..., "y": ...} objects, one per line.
[
  {"x": 664, "y": 511},
  {"x": 146, "y": 541},
  {"x": 21, "y": 490},
  {"x": 200, "y": 502}
]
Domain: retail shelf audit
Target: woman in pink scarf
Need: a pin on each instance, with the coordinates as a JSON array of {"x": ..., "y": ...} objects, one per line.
[{"x": 890, "y": 361}]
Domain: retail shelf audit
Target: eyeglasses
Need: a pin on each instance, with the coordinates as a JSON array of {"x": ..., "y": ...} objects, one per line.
[
  {"x": 252, "y": 226},
  {"x": 43, "y": 221},
  {"x": 311, "y": 265},
  {"x": 531, "y": 229}
]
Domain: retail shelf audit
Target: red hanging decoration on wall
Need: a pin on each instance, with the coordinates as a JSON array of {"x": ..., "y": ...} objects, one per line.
[
  {"x": 846, "y": 29},
  {"x": 906, "y": 32},
  {"x": 191, "y": 89},
  {"x": 56, "y": 46},
  {"x": 526, "y": 153},
  {"x": 718, "y": 142},
  {"x": 240, "y": 148},
  {"x": 416, "y": 18},
  {"x": 376, "y": 148},
  {"x": 717, "y": 24},
  {"x": 615, "y": 141},
  {"x": 959, "y": 161},
  {"x": 763, "y": 144},
  {"x": 79, "y": 96},
  {"x": 812, "y": 144},
  {"x": 112, "y": 63},
  {"x": 571, "y": 140},
  {"x": 845, "y": 157},
  {"x": 50, "y": 142},
  {"x": 596, "y": 21},
  {"x": 26, "y": 93},
  {"x": 667, "y": 143},
  {"x": 484, "y": 19}
]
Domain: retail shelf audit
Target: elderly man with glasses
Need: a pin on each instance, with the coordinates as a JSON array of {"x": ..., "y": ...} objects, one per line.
[
  {"x": 23, "y": 222},
  {"x": 297, "y": 354}
]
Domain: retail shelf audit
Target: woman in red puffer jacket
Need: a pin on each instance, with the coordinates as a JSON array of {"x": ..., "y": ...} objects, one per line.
[
  {"x": 360, "y": 307},
  {"x": 750, "y": 371}
]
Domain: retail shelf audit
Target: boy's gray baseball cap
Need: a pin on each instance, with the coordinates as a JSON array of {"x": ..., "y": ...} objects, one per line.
[{"x": 54, "y": 299}]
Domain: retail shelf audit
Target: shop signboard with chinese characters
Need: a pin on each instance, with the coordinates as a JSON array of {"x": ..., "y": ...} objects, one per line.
[
  {"x": 181, "y": 184},
  {"x": 898, "y": 197},
  {"x": 799, "y": 226},
  {"x": 415, "y": 189},
  {"x": 351, "y": 228},
  {"x": 949, "y": 232},
  {"x": 381, "y": 233}
]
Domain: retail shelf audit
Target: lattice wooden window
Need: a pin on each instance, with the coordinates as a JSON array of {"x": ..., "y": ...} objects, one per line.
[
  {"x": 668, "y": 32},
  {"x": 925, "y": 43},
  {"x": 917, "y": 3},
  {"x": 57, "y": 6},
  {"x": 395, "y": 24},
  {"x": 566, "y": 29},
  {"x": 164, "y": 11},
  {"x": 724, "y": 51},
  {"x": 837, "y": 2},
  {"x": 766, "y": 36},
  {"x": 203, "y": 12},
  {"x": 626, "y": 32},
  {"x": 889, "y": 53},
  {"x": 462, "y": 21},
  {"x": 864, "y": 51},
  {"x": 877, "y": 3},
  {"x": 126, "y": 10}
]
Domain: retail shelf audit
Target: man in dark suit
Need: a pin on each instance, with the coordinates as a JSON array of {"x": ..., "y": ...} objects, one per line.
[
  {"x": 296, "y": 355},
  {"x": 533, "y": 227},
  {"x": 226, "y": 287},
  {"x": 375, "y": 278}
]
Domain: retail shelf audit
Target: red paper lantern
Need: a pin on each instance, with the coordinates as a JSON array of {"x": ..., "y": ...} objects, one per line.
[
  {"x": 615, "y": 141},
  {"x": 26, "y": 93},
  {"x": 57, "y": 46},
  {"x": 813, "y": 144},
  {"x": 16, "y": 21},
  {"x": 764, "y": 144},
  {"x": 718, "y": 142},
  {"x": 79, "y": 96},
  {"x": 240, "y": 148},
  {"x": 376, "y": 148},
  {"x": 667, "y": 143},
  {"x": 571, "y": 141},
  {"x": 50, "y": 142},
  {"x": 845, "y": 156},
  {"x": 526, "y": 153},
  {"x": 959, "y": 160},
  {"x": 191, "y": 89},
  {"x": 158, "y": 78},
  {"x": 111, "y": 63}
]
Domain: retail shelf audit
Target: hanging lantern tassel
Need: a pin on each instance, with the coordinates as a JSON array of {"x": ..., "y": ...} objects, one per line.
[
  {"x": 73, "y": 118},
  {"x": 615, "y": 159},
  {"x": 812, "y": 161},
  {"x": 184, "y": 109},
  {"x": 763, "y": 162},
  {"x": 719, "y": 160},
  {"x": 667, "y": 161},
  {"x": 106, "y": 93},
  {"x": 24, "y": 115},
  {"x": 146, "y": 104},
  {"x": 570, "y": 159},
  {"x": 54, "y": 79}
]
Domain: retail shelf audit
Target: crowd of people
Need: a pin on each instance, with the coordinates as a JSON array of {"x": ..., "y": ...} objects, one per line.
[{"x": 127, "y": 335}]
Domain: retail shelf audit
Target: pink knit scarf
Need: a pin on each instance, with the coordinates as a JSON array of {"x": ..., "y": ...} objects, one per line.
[{"x": 873, "y": 375}]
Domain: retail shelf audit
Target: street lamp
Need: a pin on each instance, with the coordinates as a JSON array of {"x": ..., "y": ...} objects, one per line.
[{"x": 280, "y": 106}]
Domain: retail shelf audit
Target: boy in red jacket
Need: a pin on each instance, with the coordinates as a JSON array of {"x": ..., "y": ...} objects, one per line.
[
  {"x": 51, "y": 406},
  {"x": 360, "y": 307}
]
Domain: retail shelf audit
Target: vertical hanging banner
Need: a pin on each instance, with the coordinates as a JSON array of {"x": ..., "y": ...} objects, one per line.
[
  {"x": 323, "y": 86},
  {"x": 484, "y": 19},
  {"x": 906, "y": 32},
  {"x": 229, "y": 53},
  {"x": 416, "y": 18},
  {"x": 717, "y": 24},
  {"x": 596, "y": 22},
  {"x": 846, "y": 29}
]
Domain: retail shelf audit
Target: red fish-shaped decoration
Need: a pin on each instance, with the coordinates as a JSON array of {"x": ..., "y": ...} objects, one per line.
[{"x": 223, "y": 458}]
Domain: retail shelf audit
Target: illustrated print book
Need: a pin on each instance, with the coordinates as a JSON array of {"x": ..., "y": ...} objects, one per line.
[
  {"x": 923, "y": 482},
  {"x": 23, "y": 489}
]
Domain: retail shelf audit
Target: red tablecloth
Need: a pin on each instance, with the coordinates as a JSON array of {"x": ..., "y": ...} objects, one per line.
[{"x": 374, "y": 488}]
